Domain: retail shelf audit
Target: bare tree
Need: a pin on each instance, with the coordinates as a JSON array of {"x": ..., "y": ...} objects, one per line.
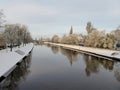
[
  {"x": 2, "y": 41},
  {"x": 2, "y": 38},
  {"x": 26, "y": 37},
  {"x": 90, "y": 27},
  {"x": 24, "y": 28},
  {"x": 10, "y": 34},
  {"x": 17, "y": 34},
  {"x": 1, "y": 19}
]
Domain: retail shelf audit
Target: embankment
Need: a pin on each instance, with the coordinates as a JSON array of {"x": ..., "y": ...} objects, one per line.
[
  {"x": 9, "y": 60},
  {"x": 101, "y": 53}
]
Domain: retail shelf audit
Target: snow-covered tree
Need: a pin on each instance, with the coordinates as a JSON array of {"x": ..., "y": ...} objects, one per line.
[
  {"x": 26, "y": 36},
  {"x": 55, "y": 39},
  {"x": 10, "y": 34},
  {"x": 93, "y": 39},
  {"x": 100, "y": 39},
  {"x": 17, "y": 34},
  {"x": 108, "y": 41},
  {"x": 2, "y": 41},
  {"x": 71, "y": 39},
  {"x": 1, "y": 19}
]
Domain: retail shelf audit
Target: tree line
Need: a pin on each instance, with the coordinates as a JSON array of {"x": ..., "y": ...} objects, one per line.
[
  {"x": 94, "y": 38},
  {"x": 13, "y": 34}
]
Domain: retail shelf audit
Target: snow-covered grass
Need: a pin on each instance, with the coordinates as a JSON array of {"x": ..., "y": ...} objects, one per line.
[
  {"x": 98, "y": 51},
  {"x": 9, "y": 59}
]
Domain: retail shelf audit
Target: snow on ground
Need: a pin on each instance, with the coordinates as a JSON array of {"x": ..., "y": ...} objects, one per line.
[
  {"x": 104, "y": 52},
  {"x": 9, "y": 59}
]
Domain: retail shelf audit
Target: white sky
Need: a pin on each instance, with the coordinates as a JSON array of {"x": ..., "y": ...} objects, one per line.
[{"x": 48, "y": 17}]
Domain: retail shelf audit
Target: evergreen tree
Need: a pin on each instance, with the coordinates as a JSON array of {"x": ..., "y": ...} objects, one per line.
[{"x": 71, "y": 30}]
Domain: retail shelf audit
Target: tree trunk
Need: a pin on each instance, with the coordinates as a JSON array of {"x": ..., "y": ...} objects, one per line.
[{"x": 11, "y": 46}]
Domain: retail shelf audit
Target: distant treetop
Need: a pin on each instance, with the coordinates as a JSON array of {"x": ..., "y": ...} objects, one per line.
[{"x": 71, "y": 30}]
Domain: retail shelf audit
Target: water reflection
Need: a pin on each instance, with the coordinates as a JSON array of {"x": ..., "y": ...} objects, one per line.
[
  {"x": 117, "y": 72},
  {"x": 19, "y": 74},
  {"x": 47, "y": 45},
  {"x": 107, "y": 64},
  {"x": 52, "y": 73},
  {"x": 55, "y": 49},
  {"x": 71, "y": 55},
  {"x": 93, "y": 64}
]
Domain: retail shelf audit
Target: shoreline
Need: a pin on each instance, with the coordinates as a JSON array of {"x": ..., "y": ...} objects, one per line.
[
  {"x": 10, "y": 60},
  {"x": 101, "y": 53}
]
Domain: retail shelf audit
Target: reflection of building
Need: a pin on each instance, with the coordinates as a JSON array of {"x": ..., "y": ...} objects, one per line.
[{"x": 71, "y": 55}]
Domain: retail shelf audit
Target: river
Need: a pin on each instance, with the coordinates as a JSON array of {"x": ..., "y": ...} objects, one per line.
[{"x": 55, "y": 68}]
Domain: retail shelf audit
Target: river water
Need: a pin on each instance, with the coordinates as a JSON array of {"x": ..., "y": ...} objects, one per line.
[{"x": 55, "y": 68}]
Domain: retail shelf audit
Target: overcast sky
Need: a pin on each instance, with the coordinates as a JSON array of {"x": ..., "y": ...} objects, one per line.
[{"x": 48, "y": 17}]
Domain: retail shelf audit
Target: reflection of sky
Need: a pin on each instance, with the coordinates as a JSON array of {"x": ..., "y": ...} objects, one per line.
[
  {"x": 48, "y": 17},
  {"x": 54, "y": 71},
  {"x": 46, "y": 57}
]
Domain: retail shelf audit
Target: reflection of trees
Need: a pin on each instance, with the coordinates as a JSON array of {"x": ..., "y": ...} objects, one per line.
[
  {"x": 71, "y": 55},
  {"x": 20, "y": 73},
  {"x": 41, "y": 43},
  {"x": 117, "y": 72},
  {"x": 47, "y": 45},
  {"x": 55, "y": 49},
  {"x": 93, "y": 64},
  {"x": 107, "y": 64}
]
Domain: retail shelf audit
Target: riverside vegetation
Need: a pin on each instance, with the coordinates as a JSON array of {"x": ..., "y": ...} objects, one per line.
[
  {"x": 94, "y": 38},
  {"x": 13, "y": 34}
]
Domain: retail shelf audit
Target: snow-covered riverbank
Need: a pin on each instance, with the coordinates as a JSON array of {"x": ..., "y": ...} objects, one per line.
[
  {"x": 112, "y": 54},
  {"x": 8, "y": 60}
]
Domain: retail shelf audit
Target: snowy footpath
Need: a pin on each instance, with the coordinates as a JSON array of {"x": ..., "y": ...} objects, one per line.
[
  {"x": 9, "y": 60},
  {"x": 105, "y": 53}
]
